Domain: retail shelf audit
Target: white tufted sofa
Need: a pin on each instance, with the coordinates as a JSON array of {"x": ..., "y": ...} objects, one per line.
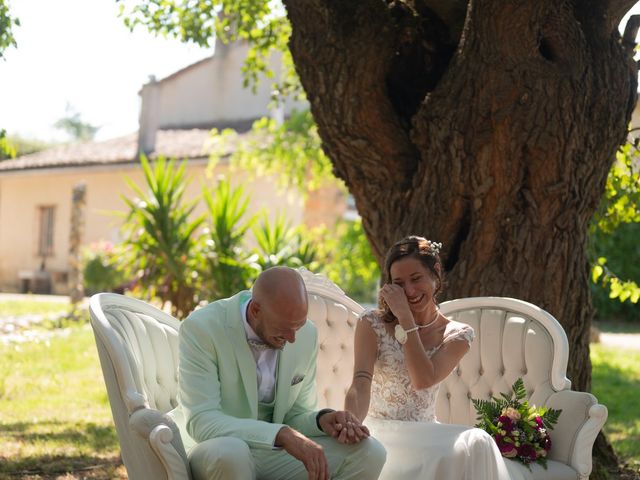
[{"x": 137, "y": 345}]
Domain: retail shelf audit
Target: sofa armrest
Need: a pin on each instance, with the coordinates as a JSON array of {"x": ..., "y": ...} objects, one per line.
[
  {"x": 164, "y": 439},
  {"x": 573, "y": 437}
]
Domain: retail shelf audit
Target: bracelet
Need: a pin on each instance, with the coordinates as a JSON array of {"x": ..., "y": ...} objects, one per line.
[
  {"x": 401, "y": 333},
  {"x": 321, "y": 413}
]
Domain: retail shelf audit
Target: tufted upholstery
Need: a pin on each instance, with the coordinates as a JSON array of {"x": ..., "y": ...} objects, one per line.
[
  {"x": 510, "y": 343},
  {"x": 137, "y": 345},
  {"x": 334, "y": 315},
  {"x": 138, "y": 349}
]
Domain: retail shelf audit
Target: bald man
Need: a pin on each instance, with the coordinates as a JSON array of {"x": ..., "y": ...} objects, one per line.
[{"x": 247, "y": 371}]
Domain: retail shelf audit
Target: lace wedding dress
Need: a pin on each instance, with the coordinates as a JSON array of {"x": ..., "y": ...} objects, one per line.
[{"x": 404, "y": 420}]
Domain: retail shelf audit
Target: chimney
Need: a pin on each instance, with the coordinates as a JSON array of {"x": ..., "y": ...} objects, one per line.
[{"x": 149, "y": 116}]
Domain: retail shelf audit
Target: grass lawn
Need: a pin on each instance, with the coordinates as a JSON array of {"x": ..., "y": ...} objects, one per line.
[
  {"x": 14, "y": 308},
  {"x": 55, "y": 421},
  {"x": 54, "y": 412},
  {"x": 616, "y": 384}
]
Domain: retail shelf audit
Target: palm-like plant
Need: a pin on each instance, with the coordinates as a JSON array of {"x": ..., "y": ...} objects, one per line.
[
  {"x": 280, "y": 244},
  {"x": 230, "y": 266},
  {"x": 160, "y": 235}
]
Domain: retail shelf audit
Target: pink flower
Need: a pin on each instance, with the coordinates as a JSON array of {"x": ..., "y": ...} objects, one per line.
[
  {"x": 539, "y": 421},
  {"x": 512, "y": 413}
]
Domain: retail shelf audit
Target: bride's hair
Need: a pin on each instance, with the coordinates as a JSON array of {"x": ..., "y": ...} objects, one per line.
[{"x": 426, "y": 251}]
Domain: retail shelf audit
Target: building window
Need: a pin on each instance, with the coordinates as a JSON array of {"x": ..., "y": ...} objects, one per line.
[{"x": 45, "y": 240}]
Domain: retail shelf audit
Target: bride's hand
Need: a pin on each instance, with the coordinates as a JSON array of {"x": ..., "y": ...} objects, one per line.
[{"x": 394, "y": 297}]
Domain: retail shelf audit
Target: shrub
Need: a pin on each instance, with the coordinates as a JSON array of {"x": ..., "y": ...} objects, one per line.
[
  {"x": 100, "y": 269},
  {"x": 349, "y": 262}
]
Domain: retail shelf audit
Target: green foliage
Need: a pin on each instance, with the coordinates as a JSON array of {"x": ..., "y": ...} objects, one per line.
[
  {"x": 613, "y": 236},
  {"x": 262, "y": 24},
  {"x": 101, "y": 271},
  {"x": 7, "y": 23},
  {"x": 230, "y": 266},
  {"x": 291, "y": 150},
  {"x": 519, "y": 429},
  {"x": 160, "y": 236},
  {"x": 18, "y": 146},
  {"x": 73, "y": 125},
  {"x": 7, "y": 149},
  {"x": 349, "y": 262},
  {"x": 280, "y": 244}
]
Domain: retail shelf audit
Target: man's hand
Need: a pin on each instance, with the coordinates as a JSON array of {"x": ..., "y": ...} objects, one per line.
[
  {"x": 344, "y": 427},
  {"x": 304, "y": 449}
]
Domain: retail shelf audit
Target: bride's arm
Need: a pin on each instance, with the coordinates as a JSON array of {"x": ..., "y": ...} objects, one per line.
[
  {"x": 425, "y": 372},
  {"x": 365, "y": 351}
]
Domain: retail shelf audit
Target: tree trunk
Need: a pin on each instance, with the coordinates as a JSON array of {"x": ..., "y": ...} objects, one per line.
[{"x": 489, "y": 126}]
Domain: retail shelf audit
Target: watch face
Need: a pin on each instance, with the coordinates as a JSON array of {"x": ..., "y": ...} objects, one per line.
[{"x": 400, "y": 335}]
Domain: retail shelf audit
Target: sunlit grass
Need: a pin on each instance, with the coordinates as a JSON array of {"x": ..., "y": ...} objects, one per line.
[
  {"x": 616, "y": 384},
  {"x": 16, "y": 308},
  {"x": 54, "y": 411}
]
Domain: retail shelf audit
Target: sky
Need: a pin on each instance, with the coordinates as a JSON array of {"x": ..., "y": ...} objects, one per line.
[{"x": 79, "y": 53}]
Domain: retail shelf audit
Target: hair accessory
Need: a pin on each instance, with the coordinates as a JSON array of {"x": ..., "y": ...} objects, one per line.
[{"x": 435, "y": 247}]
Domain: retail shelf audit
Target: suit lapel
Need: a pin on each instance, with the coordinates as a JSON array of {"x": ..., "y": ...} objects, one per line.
[{"x": 244, "y": 357}]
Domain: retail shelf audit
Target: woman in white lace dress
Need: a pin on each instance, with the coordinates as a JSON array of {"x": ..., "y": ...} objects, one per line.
[{"x": 402, "y": 352}]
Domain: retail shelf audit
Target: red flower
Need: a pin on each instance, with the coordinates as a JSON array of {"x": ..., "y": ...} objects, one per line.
[
  {"x": 506, "y": 422},
  {"x": 527, "y": 453}
]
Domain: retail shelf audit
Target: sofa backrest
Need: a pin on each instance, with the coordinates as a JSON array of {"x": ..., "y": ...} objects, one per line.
[
  {"x": 513, "y": 339},
  {"x": 335, "y": 315},
  {"x": 138, "y": 349}
]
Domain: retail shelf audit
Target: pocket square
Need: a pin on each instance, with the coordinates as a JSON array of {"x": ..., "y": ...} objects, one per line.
[{"x": 296, "y": 379}]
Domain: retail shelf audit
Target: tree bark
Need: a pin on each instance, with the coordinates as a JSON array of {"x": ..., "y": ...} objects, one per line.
[{"x": 490, "y": 128}]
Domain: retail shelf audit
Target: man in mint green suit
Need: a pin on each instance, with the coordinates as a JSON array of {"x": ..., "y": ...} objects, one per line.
[{"x": 247, "y": 371}]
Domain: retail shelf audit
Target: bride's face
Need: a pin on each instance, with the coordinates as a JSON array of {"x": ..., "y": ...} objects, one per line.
[{"x": 416, "y": 280}]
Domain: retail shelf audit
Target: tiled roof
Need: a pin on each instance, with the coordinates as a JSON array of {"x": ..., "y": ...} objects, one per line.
[{"x": 169, "y": 143}]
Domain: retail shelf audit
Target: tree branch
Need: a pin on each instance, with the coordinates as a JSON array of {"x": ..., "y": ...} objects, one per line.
[
  {"x": 615, "y": 10},
  {"x": 343, "y": 52}
]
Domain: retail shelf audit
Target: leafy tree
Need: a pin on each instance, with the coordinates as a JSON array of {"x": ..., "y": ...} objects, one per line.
[
  {"x": 16, "y": 146},
  {"x": 7, "y": 149},
  {"x": 488, "y": 125},
  {"x": 613, "y": 236},
  {"x": 7, "y": 40},
  {"x": 73, "y": 125},
  {"x": 7, "y": 23}
]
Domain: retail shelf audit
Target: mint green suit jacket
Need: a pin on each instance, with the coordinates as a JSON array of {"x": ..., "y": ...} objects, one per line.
[{"x": 218, "y": 387}]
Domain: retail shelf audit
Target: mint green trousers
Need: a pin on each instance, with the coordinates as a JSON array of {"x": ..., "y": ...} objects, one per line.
[{"x": 229, "y": 458}]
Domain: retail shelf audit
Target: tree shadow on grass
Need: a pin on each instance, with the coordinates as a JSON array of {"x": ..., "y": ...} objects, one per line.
[
  {"x": 617, "y": 390},
  {"x": 65, "y": 448}
]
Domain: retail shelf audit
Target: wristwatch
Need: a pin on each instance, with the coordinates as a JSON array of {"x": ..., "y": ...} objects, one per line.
[{"x": 401, "y": 333}]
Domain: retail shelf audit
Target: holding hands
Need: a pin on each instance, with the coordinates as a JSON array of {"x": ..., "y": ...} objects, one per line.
[{"x": 344, "y": 427}]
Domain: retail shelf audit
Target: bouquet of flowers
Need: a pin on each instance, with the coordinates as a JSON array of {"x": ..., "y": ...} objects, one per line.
[{"x": 521, "y": 431}]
